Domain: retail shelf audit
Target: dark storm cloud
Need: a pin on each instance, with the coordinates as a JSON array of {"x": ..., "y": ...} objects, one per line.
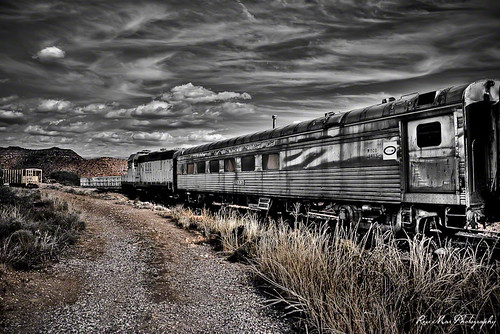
[{"x": 132, "y": 74}]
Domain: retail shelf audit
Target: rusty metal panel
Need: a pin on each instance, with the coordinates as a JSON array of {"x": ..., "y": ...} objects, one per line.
[{"x": 431, "y": 156}]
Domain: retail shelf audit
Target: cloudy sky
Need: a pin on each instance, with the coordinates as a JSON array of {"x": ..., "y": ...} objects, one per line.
[{"x": 107, "y": 78}]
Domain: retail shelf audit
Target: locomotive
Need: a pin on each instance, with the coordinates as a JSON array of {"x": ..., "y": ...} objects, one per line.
[{"x": 421, "y": 163}]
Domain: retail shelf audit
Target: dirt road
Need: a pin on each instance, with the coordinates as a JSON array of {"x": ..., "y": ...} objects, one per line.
[{"x": 134, "y": 271}]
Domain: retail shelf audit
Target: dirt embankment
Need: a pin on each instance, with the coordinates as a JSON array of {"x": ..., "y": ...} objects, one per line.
[{"x": 134, "y": 271}]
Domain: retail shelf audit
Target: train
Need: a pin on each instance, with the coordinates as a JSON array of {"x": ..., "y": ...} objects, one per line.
[
  {"x": 425, "y": 162},
  {"x": 107, "y": 182},
  {"x": 25, "y": 177}
]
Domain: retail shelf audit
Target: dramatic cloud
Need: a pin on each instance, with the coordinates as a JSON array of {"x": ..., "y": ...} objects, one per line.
[
  {"x": 11, "y": 117},
  {"x": 54, "y": 105},
  {"x": 50, "y": 53},
  {"x": 197, "y": 94},
  {"x": 153, "y": 108},
  {"x": 95, "y": 107},
  {"x": 38, "y": 130},
  {"x": 92, "y": 74},
  {"x": 155, "y": 137},
  {"x": 110, "y": 137},
  {"x": 204, "y": 136}
]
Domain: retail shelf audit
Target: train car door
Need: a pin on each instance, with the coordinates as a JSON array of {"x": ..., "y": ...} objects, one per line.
[
  {"x": 431, "y": 155},
  {"x": 481, "y": 120}
]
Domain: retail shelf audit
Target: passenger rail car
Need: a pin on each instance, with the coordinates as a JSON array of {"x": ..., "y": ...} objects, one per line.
[{"x": 421, "y": 162}]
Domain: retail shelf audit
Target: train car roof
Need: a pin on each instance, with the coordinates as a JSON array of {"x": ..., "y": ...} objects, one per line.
[
  {"x": 405, "y": 104},
  {"x": 157, "y": 155}
]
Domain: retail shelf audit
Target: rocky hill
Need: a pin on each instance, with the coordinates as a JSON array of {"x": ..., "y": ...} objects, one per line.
[{"x": 56, "y": 159}]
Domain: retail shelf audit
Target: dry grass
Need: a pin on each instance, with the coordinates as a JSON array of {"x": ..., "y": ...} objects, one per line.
[
  {"x": 339, "y": 285},
  {"x": 342, "y": 286},
  {"x": 232, "y": 230},
  {"x": 34, "y": 229}
]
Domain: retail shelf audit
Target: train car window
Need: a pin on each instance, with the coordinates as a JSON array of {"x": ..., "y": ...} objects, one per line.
[
  {"x": 270, "y": 161},
  {"x": 190, "y": 168},
  {"x": 200, "y": 167},
  {"x": 429, "y": 134},
  {"x": 248, "y": 163},
  {"x": 229, "y": 165},
  {"x": 181, "y": 169},
  {"x": 214, "y": 166}
]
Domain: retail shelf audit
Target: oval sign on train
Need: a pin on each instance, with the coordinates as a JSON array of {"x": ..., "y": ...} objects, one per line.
[{"x": 389, "y": 150}]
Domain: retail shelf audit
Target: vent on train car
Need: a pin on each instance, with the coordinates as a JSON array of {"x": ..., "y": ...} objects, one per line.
[{"x": 427, "y": 98}]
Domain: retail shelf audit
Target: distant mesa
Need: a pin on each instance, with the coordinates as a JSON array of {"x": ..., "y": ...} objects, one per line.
[{"x": 56, "y": 159}]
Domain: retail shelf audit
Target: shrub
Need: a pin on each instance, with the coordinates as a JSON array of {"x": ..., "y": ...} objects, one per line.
[
  {"x": 34, "y": 230},
  {"x": 66, "y": 178}
]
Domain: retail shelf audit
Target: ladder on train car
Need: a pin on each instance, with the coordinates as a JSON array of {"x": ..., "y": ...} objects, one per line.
[{"x": 263, "y": 204}]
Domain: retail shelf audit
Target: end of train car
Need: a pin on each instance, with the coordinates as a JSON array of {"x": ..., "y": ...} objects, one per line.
[{"x": 151, "y": 171}]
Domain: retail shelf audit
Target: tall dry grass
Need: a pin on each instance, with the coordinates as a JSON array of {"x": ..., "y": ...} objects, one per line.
[
  {"x": 343, "y": 286},
  {"x": 232, "y": 230},
  {"x": 340, "y": 285}
]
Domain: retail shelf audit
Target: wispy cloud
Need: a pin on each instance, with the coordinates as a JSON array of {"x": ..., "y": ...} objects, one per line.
[{"x": 9, "y": 98}]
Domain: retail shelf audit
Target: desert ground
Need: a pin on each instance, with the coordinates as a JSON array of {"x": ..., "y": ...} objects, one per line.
[{"x": 135, "y": 271}]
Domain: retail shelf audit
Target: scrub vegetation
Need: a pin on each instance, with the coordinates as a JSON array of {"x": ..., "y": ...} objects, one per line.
[
  {"x": 343, "y": 283},
  {"x": 34, "y": 228}
]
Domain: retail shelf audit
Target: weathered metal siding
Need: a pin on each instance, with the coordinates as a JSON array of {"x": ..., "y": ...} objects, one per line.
[
  {"x": 347, "y": 164},
  {"x": 156, "y": 172},
  {"x": 12, "y": 176},
  {"x": 460, "y": 155},
  {"x": 432, "y": 168},
  {"x": 375, "y": 184},
  {"x": 130, "y": 176}
]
